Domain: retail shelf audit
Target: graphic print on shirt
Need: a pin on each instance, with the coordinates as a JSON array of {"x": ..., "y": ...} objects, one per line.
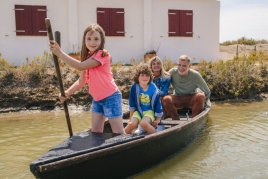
[{"x": 145, "y": 99}]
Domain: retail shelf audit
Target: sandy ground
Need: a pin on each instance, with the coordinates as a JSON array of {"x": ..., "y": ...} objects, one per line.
[{"x": 232, "y": 50}]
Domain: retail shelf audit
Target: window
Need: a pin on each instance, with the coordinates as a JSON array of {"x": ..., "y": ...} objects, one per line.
[
  {"x": 180, "y": 23},
  {"x": 30, "y": 20},
  {"x": 111, "y": 20}
]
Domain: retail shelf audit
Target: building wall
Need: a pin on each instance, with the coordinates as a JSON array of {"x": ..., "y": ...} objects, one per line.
[
  {"x": 146, "y": 27},
  {"x": 121, "y": 48},
  {"x": 16, "y": 49},
  {"x": 205, "y": 41}
]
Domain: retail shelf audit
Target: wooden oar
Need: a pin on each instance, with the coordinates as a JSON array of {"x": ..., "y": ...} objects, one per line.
[{"x": 56, "y": 63}]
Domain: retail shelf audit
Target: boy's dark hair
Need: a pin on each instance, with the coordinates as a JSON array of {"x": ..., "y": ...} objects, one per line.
[{"x": 143, "y": 68}]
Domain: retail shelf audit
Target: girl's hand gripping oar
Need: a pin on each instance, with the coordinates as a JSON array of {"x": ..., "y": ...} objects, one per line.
[{"x": 56, "y": 63}]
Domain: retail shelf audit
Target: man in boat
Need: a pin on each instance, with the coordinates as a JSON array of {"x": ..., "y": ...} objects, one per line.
[{"x": 187, "y": 84}]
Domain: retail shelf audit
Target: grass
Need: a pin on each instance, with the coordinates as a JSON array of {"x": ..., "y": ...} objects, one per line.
[
  {"x": 244, "y": 41},
  {"x": 243, "y": 77}
]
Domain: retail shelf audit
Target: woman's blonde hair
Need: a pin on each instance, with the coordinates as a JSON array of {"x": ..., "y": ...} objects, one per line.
[
  {"x": 91, "y": 28},
  {"x": 143, "y": 68},
  {"x": 163, "y": 72}
]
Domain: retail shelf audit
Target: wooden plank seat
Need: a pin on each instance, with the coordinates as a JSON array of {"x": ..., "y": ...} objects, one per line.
[{"x": 182, "y": 113}]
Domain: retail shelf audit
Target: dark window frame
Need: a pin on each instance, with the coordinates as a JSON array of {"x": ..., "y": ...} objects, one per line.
[
  {"x": 180, "y": 23},
  {"x": 30, "y": 20},
  {"x": 112, "y": 20}
]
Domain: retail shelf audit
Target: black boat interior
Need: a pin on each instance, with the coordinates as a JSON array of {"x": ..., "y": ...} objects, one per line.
[{"x": 85, "y": 142}]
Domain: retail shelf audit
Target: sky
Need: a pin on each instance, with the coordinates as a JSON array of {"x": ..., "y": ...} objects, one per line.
[{"x": 243, "y": 18}]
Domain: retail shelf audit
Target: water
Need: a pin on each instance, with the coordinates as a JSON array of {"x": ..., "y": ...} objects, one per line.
[
  {"x": 234, "y": 143},
  {"x": 26, "y": 135}
]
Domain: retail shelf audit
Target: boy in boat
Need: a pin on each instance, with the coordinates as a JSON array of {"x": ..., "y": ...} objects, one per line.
[
  {"x": 185, "y": 82},
  {"x": 144, "y": 101}
]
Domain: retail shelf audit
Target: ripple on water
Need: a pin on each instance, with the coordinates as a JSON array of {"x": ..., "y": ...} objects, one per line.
[{"x": 234, "y": 143}]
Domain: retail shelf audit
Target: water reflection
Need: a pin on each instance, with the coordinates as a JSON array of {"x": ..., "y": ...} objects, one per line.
[
  {"x": 26, "y": 135},
  {"x": 234, "y": 143}
]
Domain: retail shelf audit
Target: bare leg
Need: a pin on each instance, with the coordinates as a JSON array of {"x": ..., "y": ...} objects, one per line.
[
  {"x": 146, "y": 125},
  {"x": 97, "y": 122},
  {"x": 133, "y": 124},
  {"x": 117, "y": 125}
]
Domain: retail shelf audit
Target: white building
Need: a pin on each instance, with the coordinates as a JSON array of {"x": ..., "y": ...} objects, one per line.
[{"x": 133, "y": 27}]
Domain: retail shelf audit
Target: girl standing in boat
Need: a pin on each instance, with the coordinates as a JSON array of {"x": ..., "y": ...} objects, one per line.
[
  {"x": 144, "y": 101},
  {"x": 95, "y": 70}
]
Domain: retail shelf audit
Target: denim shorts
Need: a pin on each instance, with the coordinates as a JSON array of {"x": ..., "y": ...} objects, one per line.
[{"x": 110, "y": 107}]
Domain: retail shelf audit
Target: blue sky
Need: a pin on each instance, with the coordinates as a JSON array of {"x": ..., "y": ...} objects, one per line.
[{"x": 243, "y": 18}]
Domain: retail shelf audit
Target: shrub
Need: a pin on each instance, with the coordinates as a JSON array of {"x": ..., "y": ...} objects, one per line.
[
  {"x": 241, "y": 77},
  {"x": 3, "y": 63},
  {"x": 115, "y": 67},
  {"x": 168, "y": 64},
  {"x": 245, "y": 41},
  {"x": 29, "y": 74}
]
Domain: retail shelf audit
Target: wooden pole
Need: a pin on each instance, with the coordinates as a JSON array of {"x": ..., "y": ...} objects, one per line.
[
  {"x": 56, "y": 63},
  {"x": 57, "y": 37}
]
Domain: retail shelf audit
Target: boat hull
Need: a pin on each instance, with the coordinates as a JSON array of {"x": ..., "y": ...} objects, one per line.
[{"x": 126, "y": 159}]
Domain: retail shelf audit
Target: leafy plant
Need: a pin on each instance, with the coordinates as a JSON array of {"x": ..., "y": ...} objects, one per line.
[
  {"x": 153, "y": 50},
  {"x": 3, "y": 63},
  {"x": 241, "y": 77},
  {"x": 244, "y": 41},
  {"x": 168, "y": 64},
  {"x": 74, "y": 50}
]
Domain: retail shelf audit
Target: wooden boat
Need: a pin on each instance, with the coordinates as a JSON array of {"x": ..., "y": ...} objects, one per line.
[{"x": 94, "y": 155}]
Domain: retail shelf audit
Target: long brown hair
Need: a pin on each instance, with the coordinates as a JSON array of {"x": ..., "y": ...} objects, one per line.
[{"x": 91, "y": 28}]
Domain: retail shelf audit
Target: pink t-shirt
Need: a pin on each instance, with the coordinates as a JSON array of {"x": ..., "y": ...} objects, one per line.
[{"x": 100, "y": 78}]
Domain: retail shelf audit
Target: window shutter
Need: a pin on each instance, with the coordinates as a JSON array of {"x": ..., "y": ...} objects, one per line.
[
  {"x": 173, "y": 23},
  {"x": 23, "y": 19},
  {"x": 103, "y": 20},
  {"x": 186, "y": 23},
  {"x": 117, "y": 22},
  {"x": 39, "y": 13}
]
